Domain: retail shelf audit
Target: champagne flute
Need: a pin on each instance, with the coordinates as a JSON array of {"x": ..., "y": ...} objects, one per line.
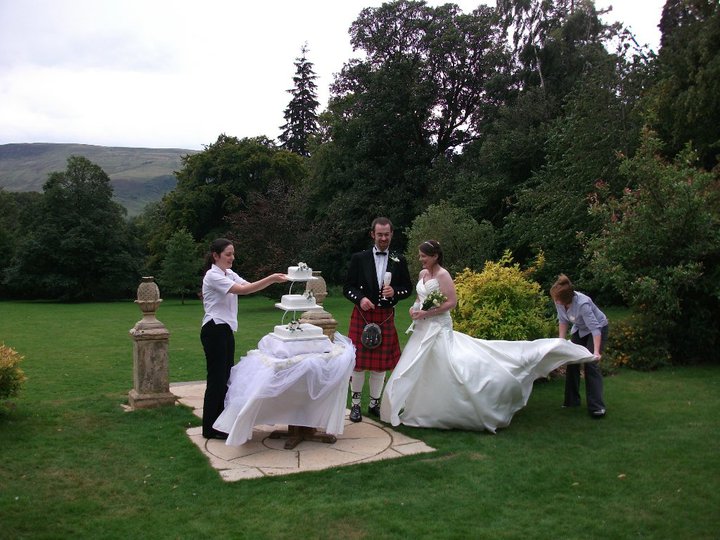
[{"x": 386, "y": 281}]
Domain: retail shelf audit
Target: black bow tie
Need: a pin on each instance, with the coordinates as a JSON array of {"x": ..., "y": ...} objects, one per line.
[{"x": 383, "y": 253}]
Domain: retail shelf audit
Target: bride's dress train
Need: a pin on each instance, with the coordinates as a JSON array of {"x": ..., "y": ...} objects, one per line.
[{"x": 446, "y": 379}]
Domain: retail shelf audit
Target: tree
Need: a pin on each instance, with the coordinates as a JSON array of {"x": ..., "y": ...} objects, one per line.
[
  {"x": 181, "y": 265},
  {"x": 272, "y": 234},
  {"x": 454, "y": 64},
  {"x": 556, "y": 135},
  {"x": 685, "y": 103},
  {"x": 660, "y": 249},
  {"x": 465, "y": 242},
  {"x": 600, "y": 122},
  {"x": 18, "y": 212},
  {"x": 216, "y": 183},
  {"x": 149, "y": 230},
  {"x": 557, "y": 46},
  {"x": 301, "y": 119},
  {"x": 530, "y": 24},
  {"x": 396, "y": 117},
  {"x": 79, "y": 247}
]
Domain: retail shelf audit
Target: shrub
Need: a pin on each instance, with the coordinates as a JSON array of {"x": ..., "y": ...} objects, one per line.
[
  {"x": 660, "y": 249},
  {"x": 11, "y": 376},
  {"x": 465, "y": 242},
  {"x": 636, "y": 343},
  {"x": 501, "y": 302}
]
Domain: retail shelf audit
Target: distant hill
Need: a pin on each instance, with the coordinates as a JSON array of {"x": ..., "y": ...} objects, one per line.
[{"x": 138, "y": 175}]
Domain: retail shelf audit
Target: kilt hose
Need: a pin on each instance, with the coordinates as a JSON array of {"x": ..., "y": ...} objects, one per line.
[{"x": 386, "y": 355}]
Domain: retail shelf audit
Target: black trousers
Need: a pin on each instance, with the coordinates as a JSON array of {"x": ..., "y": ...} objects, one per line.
[
  {"x": 218, "y": 342},
  {"x": 593, "y": 375}
]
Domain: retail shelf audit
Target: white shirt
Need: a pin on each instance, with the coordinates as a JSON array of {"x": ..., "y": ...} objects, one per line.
[
  {"x": 381, "y": 262},
  {"x": 220, "y": 306}
]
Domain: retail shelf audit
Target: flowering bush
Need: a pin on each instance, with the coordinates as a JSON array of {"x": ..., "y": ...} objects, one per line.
[
  {"x": 11, "y": 376},
  {"x": 501, "y": 302}
]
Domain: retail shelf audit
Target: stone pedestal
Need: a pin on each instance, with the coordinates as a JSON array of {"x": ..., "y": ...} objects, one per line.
[
  {"x": 323, "y": 319},
  {"x": 151, "y": 384}
]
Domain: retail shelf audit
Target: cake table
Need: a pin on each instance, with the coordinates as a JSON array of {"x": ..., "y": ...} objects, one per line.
[
  {"x": 273, "y": 385},
  {"x": 297, "y": 377}
]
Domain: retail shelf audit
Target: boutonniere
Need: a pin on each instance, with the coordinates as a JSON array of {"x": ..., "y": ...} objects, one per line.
[{"x": 394, "y": 257}]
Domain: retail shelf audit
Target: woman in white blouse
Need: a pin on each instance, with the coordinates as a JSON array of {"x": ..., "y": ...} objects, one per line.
[{"x": 219, "y": 292}]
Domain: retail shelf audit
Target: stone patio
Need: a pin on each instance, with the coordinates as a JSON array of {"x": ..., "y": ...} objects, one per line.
[{"x": 361, "y": 442}]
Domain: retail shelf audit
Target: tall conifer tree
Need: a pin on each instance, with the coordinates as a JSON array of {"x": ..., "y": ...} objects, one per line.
[{"x": 301, "y": 113}]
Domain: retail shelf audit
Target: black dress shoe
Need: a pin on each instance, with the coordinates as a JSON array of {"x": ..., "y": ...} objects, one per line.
[
  {"x": 355, "y": 415},
  {"x": 216, "y": 435},
  {"x": 374, "y": 411}
]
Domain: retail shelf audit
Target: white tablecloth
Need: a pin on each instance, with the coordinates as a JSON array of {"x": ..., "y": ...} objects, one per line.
[{"x": 302, "y": 390}]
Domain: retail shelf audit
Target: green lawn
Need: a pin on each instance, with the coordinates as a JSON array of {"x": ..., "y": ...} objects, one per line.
[{"x": 75, "y": 465}]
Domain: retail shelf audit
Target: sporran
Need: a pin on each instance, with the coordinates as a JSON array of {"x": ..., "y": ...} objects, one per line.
[{"x": 371, "y": 336}]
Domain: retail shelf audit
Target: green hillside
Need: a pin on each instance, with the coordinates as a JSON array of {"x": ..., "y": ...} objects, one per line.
[{"x": 138, "y": 175}]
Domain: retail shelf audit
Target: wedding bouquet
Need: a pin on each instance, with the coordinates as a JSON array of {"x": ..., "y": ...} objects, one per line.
[{"x": 433, "y": 300}]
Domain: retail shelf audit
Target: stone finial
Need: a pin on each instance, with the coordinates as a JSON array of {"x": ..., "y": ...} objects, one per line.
[
  {"x": 148, "y": 300},
  {"x": 317, "y": 286}
]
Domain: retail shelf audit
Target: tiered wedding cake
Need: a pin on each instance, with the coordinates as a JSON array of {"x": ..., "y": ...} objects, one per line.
[{"x": 295, "y": 331}]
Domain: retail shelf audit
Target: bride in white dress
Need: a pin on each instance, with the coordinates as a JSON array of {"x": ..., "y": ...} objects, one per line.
[{"x": 446, "y": 379}]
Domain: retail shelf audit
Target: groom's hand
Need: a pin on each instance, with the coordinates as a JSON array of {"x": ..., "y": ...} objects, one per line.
[{"x": 366, "y": 304}]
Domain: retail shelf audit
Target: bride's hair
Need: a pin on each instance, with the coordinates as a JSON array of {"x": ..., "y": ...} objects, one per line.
[
  {"x": 432, "y": 247},
  {"x": 562, "y": 290}
]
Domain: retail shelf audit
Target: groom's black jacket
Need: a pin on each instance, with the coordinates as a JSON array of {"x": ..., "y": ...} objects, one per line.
[{"x": 362, "y": 281}]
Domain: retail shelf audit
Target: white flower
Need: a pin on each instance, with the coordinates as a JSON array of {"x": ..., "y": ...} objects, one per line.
[{"x": 294, "y": 326}]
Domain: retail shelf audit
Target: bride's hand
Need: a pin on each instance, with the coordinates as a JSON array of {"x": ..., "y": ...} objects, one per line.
[{"x": 419, "y": 314}]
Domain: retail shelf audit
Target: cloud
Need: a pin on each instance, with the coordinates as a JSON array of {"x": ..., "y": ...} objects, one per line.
[{"x": 163, "y": 73}]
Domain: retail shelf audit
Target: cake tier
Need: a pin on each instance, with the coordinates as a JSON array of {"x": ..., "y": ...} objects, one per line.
[
  {"x": 294, "y": 349},
  {"x": 298, "y": 301},
  {"x": 305, "y": 331},
  {"x": 297, "y": 272}
]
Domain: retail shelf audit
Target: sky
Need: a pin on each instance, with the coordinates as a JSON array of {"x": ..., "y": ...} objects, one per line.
[{"x": 178, "y": 73}]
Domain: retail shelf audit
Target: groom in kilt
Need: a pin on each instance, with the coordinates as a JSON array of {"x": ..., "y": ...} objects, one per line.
[{"x": 375, "y": 303}]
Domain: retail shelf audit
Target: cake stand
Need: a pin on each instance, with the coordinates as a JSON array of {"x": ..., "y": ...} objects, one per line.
[{"x": 294, "y": 435}]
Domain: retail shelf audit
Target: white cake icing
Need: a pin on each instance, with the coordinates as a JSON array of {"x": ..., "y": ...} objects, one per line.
[
  {"x": 298, "y": 301},
  {"x": 303, "y": 331},
  {"x": 301, "y": 271}
]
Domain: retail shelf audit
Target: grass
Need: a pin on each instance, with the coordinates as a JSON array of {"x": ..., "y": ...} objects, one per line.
[{"x": 74, "y": 465}]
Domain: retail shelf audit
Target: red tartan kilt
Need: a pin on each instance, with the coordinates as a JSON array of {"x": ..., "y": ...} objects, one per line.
[{"x": 386, "y": 355}]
